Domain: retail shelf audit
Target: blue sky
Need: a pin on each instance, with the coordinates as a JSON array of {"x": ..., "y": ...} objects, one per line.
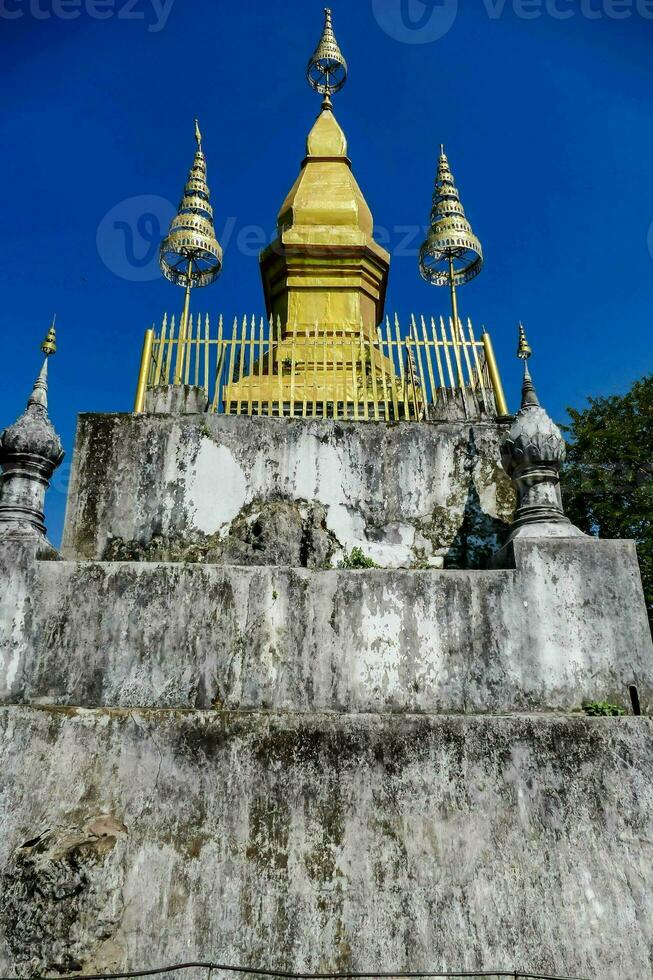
[{"x": 545, "y": 108}]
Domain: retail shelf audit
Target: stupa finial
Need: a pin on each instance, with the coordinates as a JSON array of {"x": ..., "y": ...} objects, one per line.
[
  {"x": 191, "y": 255},
  {"x": 524, "y": 353},
  {"x": 39, "y": 394},
  {"x": 327, "y": 68},
  {"x": 451, "y": 254},
  {"x": 524, "y": 350}
]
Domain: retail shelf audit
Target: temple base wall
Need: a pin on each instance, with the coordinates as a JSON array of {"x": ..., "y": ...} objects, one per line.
[
  {"x": 137, "y": 839},
  {"x": 567, "y": 624},
  {"x": 243, "y": 491}
]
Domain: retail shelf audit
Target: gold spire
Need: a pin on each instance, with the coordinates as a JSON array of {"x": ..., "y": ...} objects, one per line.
[
  {"x": 39, "y": 394},
  {"x": 49, "y": 345},
  {"x": 528, "y": 394},
  {"x": 327, "y": 68},
  {"x": 191, "y": 256},
  {"x": 191, "y": 248},
  {"x": 524, "y": 350},
  {"x": 452, "y": 254}
]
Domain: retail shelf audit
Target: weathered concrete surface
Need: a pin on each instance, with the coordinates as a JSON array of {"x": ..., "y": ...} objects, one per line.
[
  {"x": 133, "y": 839},
  {"x": 567, "y": 624},
  {"x": 195, "y": 488}
]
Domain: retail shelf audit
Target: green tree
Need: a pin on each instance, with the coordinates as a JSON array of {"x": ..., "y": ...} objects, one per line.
[{"x": 608, "y": 478}]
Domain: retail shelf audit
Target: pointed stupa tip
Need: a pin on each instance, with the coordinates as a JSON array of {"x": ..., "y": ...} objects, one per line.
[
  {"x": 451, "y": 241},
  {"x": 39, "y": 394},
  {"x": 327, "y": 68},
  {"x": 529, "y": 397},
  {"x": 524, "y": 350},
  {"x": 190, "y": 252},
  {"x": 49, "y": 345}
]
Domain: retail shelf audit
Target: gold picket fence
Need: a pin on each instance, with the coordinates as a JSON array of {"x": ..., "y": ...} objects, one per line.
[{"x": 258, "y": 369}]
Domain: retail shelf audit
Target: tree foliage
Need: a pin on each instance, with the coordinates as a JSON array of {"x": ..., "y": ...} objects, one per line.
[{"x": 608, "y": 478}]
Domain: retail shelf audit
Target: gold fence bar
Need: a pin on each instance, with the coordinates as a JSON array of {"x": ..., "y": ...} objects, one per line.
[
  {"x": 366, "y": 414},
  {"x": 219, "y": 368},
  {"x": 420, "y": 365},
  {"x": 207, "y": 352},
  {"x": 292, "y": 371},
  {"x": 162, "y": 352},
  {"x": 354, "y": 377},
  {"x": 261, "y": 340},
  {"x": 436, "y": 346},
  {"x": 477, "y": 363},
  {"x": 445, "y": 342},
  {"x": 393, "y": 370},
  {"x": 198, "y": 341},
  {"x": 495, "y": 377},
  {"x": 171, "y": 350},
  {"x": 314, "y": 387},
  {"x": 429, "y": 359},
  {"x": 384, "y": 383},
  {"x": 402, "y": 378},
  {"x": 241, "y": 364},
  {"x": 345, "y": 401},
  {"x": 325, "y": 375},
  {"x": 305, "y": 339},
  {"x": 453, "y": 328},
  {"x": 279, "y": 369},
  {"x": 251, "y": 382},
  {"x": 188, "y": 340},
  {"x": 146, "y": 357},
  {"x": 231, "y": 345},
  {"x": 470, "y": 376}
]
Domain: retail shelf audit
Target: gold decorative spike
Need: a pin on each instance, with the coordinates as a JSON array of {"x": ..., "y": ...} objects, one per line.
[
  {"x": 451, "y": 254},
  {"x": 327, "y": 68},
  {"x": 524, "y": 350},
  {"x": 198, "y": 135},
  {"x": 49, "y": 345}
]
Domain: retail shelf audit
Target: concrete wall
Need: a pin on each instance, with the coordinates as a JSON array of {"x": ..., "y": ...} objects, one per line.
[
  {"x": 269, "y": 491},
  {"x": 131, "y": 839},
  {"x": 567, "y": 624}
]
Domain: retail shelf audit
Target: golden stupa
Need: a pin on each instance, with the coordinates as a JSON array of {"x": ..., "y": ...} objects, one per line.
[{"x": 324, "y": 276}]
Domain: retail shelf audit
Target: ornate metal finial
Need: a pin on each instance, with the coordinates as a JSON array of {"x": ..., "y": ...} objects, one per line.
[
  {"x": 30, "y": 451},
  {"x": 190, "y": 255},
  {"x": 191, "y": 252},
  {"x": 524, "y": 350},
  {"x": 49, "y": 345},
  {"x": 327, "y": 68},
  {"x": 451, "y": 254},
  {"x": 529, "y": 397}
]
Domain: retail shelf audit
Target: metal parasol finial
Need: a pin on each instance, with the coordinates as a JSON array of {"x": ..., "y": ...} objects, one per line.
[
  {"x": 524, "y": 350},
  {"x": 49, "y": 345},
  {"x": 327, "y": 68},
  {"x": 191, "y": 255},
  {"x": 452, "y": 254}
]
